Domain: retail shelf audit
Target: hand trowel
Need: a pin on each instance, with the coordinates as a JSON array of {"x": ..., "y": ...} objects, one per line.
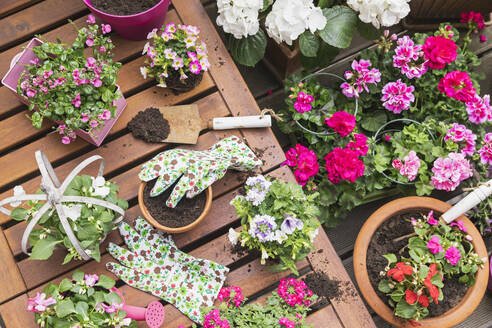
[{"x": 185, "y": 123}]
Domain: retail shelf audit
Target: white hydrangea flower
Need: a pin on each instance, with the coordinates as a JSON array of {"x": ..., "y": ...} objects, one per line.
[
  {"x": 290, "y": 18},
  {"x": 239, "y": 17},
  {"x": 72, "y": 212},
  {"x": 380, "y": 12},
  {"x": 18, "y": 191},
  {"x": 233, "y": 236},
  {"x": 100, "y": 188}
]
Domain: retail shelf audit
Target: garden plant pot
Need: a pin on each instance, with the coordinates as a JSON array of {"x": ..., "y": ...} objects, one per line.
[
  {"x": 155, "y": 223},
  {"x": 13, "y": 75},
  {"x": 490, "y": 277},
  {"x": 281, "y": 59},
  {"x": 452, "y": 317},
  {"x": 134, "y": 27}
]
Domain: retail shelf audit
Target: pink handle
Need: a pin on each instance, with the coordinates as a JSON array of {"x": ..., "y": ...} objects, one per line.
[{"x": 134, "y": 312}]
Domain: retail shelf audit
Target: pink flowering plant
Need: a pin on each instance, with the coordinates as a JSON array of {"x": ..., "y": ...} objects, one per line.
[
  {"x": 175, "y": 55},
  {"x": 85, "y": 300},
  {"x": 73, "y": 85},
  {"x": 436, "y": 252},
  {"x": 286, "y": 307},
  {"x": 278, "y": 219}
]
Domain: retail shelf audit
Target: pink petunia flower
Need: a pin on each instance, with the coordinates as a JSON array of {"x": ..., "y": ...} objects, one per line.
[
  {"x": 76, "y": 101},
  {"x": 85, "y": 117},
  {"x": 94, "y": 123},
  {"x": 91, "y": 279},
  {"x": 459, "y": 224},
  {"x": 89, "y": 42},
  {"x": 434, "y": 245},
  {"x": 195, "y": 67}
]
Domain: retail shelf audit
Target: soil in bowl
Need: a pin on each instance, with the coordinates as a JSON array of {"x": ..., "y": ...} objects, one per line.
[
  {"x": 124, "y": 7},
  {"x": 149, "y": 125},
  {"x": 187, "y": 210},
  {"x": 178, "y": 86},
  {"x": 382, "y": 243}
]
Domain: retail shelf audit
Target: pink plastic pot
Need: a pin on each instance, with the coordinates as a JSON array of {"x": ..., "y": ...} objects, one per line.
[
  {"x": 134, "y": 27},
  {"x": 11, "y": 79},
  {"x": 153, "y": 314}
]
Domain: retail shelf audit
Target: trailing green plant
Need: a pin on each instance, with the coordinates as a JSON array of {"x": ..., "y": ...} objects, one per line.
[
  {"x": 436, "y": 252},
  {"x": 278, "y": 219},
  {"x": 86, "y": 300}
]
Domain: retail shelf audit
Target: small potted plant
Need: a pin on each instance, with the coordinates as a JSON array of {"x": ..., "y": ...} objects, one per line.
[
  {"x": 60, "y": 83},
  {"x": 287, "y": 306},
  {"x": 278, "y": 219},
  {"x": 131, "y": 19},
  {"x": 175, "y": 57},
  {"x": 416, "y": 270},
  {"x": 86, "y": 300}
]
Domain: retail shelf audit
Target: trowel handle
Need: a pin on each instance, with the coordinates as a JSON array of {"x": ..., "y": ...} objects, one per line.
[
  {"x": 470, "y": 201},
  {"x": 240, "y": 122}
]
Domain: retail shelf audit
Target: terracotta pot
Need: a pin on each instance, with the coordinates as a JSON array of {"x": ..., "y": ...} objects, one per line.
[
  {"x": 490, "y": 277},
  {"x": 404, "y": 205},
  {"x": 152, "y": 221}
]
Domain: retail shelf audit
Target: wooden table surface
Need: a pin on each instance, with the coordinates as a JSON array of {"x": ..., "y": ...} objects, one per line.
[{"x": 222, "y": 92}]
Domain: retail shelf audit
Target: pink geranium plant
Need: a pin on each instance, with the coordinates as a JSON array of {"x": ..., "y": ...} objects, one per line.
[{"x": 66, "y": 86}]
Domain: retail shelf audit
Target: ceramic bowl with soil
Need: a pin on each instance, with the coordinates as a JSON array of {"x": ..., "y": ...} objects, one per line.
[
  {"x": 185, "y": 216},
  {"x": 376, "y": 238}
]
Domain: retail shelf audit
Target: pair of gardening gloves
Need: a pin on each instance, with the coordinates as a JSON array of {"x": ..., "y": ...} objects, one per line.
[
  {"x": 154, "y": 264},
  {"x": 196, "y": 170}
]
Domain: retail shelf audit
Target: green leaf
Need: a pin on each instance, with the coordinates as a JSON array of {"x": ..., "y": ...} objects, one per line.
[
  {"x": 384, "y": 286},
  {"x": 64, "y": 308},
  {"x": 308, "y": 44},
  {"x": 405, "y": 310},
  {"x": 326, "y": 54},
  {"x": 248, "y": 51},
  {"x": 78, "y": 276},
  {"x": 325, "y": 3},
  {"x": 65, "y": 284},
  {"x": 82, "y": 308},
  {"x": 18, "y": 214},
  {"x": 367, "y": 30},
  {"x": 391, "y": 258},
  {"x": 340, "y": 26},
  {"x": 373, "y": 121},
  {"x": 105, "y": 282},
  {"x": 43, "y": 249},
  {"x": 112, "y": 298},
  {"x": 67, "y": 258}
]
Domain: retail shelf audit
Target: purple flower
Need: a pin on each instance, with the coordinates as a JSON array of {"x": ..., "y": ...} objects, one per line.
[
  {"x": 397, "y": 96},
  {"x": 459, "y": 224},
  {"x": 263, "y": 227},
  {"x": 91, "y": 279},
  {"x": 434, "y": 245},
  {"x": 39, "y": 303},
  {"x": 290, "y": 224},
  {"x": 453, "y": 255}
]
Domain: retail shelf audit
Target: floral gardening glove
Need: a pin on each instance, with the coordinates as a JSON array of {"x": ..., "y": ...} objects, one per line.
[
  {"x": 197, "y": 169},
  {"x": 154, "y": 264}
]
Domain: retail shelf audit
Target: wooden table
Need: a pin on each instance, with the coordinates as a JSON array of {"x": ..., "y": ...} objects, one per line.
[{"x": 222, "y": 92}]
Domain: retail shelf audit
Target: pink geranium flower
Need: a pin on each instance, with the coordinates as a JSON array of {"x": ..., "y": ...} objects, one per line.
[
  {"x": 450, "y": 171},
  {"x": 439, "y": 51},
  {"x": 342, "y": 122},
  {"x": 434, "y": 245},
  {"x": 478, "y": 109},
  {"x": 453, "y": 255},
  {"x": 397, "y": 96},
  {"x": 486, "y": 151},
  {"x": 359, "y": 77},
  {"x": 343, "y": 164},
  {"x": 304, "y": 161},
  {"x": 286, "y": 323},
  {"x": 459, "y": 224},
  {"x": 457, "y": 85},
  {"x": 460, "y": 134},
  {"x": 410, "y": 167},
  {"x": 474, "y": 17},
  {"x": 105, "y": 28},
  {"x": 406, "y": 57},
  {"x": 39, "y": 303},
  {"x": 303, "y": 102},
  {"x": 431, "y": 220},
  {"x": 359, "y": 145}
]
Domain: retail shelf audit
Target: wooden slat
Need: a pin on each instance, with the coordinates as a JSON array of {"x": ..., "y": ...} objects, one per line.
[
  {"x": 14, "y": 315},
  {"x": 9, "y": 6},
  {"x": 10, "y": 277},
  {"x": 21, "y": 162},
  {"x": 326, "y": 317},
  {"x": 350, "y": 309},
  {"x": 33, "y": 19},
  {"x": 229, "y": 80}
]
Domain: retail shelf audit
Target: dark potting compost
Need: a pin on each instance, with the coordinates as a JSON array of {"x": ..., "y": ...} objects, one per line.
[
  {"x": 382, "y": 243},
  {"x": 174, "y": 82},
  {"x": 149, "y": 125},
  {"x": 124, "y": 7},
  {"x": 187, "y": 210},
  {"x": 328, "y": 289}
]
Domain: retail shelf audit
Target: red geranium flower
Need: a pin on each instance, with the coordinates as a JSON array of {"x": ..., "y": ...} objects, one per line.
[
  {"x": 414, "y": 323},
  {"x": 433, "y": 290},
  {"x": 400, "y": 271},
  {"x": 410, "y": 296},
  {"x": 439, "y": 51},
  {"x": 423, "y": 300}
]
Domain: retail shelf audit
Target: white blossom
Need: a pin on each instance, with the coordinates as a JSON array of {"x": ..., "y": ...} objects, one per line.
[
  {"x": 290, "y": 18},
  {"x": 313, "y": 234},
  {"x": 100, "y": 188},
  {"x": 145, "y": 48},
  {"x": 72, "y": 212},
  {"x": 143, "y": 71},
  {"x": 280, "y": 236},
  {"x": 239, "y": 17},
  {"x": 233, "y": 236},
  {"x": 152, "y": 33},
  {"x": 18, "y": 191},
  {"x": 290, "y": 224},
  {"x": 380, "y": 12},
  {"x": 264, "y": 254}
]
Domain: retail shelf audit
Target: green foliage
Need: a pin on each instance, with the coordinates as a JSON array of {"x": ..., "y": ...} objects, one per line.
[
  {"x": 428, "y": 271},
  {"x": 282, "y": 199},
  {"x": 90, "y": 226},
  {"x": 77, "y": 303},
  {"x": 248, "y": 51},
  {"x": 340, "y": 26}
]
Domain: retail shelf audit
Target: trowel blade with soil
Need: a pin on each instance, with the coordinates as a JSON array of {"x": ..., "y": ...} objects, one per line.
[{"x": 185, "y": 123}]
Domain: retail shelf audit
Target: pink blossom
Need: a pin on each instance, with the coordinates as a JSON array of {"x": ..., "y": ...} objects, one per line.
[
  {"x": 91, "y": 19},
  {"x": 450, "y": 171},
  {"x": 192, "y": 55},
  {"x": 30, "y": 92},
  {"x": 343, "y": 164},
  {"x": 342, "y": 122},
  {"x": 94, "y": 123},
  {"x": 397, "y": 96},
  {"x": 84, "y": 117},
  {"x": 177, "y": 63},
  {"x": 478, "y": 109},
  {"x": 91, "y": 279},
  {"x": 387, "y": 137},
  {"x": 65, "y": 140},
  {"x": 453, "y": 255},
  {"x": 459, "y": 224},
  {"x": 96, "y": 82},
  {"x": 359, "y": 145},
  {"x": 410, "y": 167},
  {"x": 434, "y": 245},
  {"x": 106, "y": 115},
  {"x": 113, "y": 308},
  {"x": 39, "y": 303},
  {"x": 486, "y": 151},
  {"x": 457, "y": 85},
  {"x": 359, "y": 78},
  {"x": 439, "y": 51},
  {"x": 475, "y": 17},
  {"x": 195, "y": 67},
  {"x": 305, "y": 163},
  {"x": 61, "y": 128},
  {"x": 76, "y": 101},
  {"x": 91, "y": 61},
  {"x": 406, "y": 56},
  {"x": 102, "y": 49},
  {"x": 89, "y": 42},
  {"x": 397, "y": 164},
  {"x": 459, "y": 133},
  {"x": 303, "y": 102},
  {"x": 483, "y": 38},
  {"x": 430, "y": 218},
  {"x": 287, "y": 323},
  {"x": 105, "y": 28}
]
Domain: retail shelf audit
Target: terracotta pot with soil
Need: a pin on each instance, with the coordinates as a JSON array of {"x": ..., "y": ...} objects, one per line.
[
  {"x": 185, "y": 216},
  {"x": 178, "y": 86},
  {"x": 372, "y": 242}
]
